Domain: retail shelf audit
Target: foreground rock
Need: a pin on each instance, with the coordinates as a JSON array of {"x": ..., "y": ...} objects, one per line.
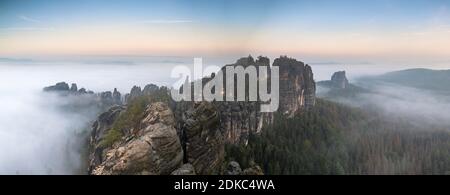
[
  {"x": 151, "y": 149},
  {"x": 233, "y": 168},
  {"x": 186, "y": 169},
  {"x": 253, "y": 170},
  {"x": 204, "y": 143}
]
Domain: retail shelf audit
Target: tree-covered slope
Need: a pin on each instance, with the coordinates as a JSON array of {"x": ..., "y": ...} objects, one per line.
[{"x": 335, "y": 139}]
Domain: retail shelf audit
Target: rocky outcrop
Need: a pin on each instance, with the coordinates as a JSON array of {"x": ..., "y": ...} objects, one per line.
[
  {"x": 297, "y": 86},
  {"x": 233, "y": 168},
  {"x": 339, "y": 80},
  {"x": 240, "y": 119},
  {"x": 104, "y": 99},
  {"x": 117, "y": 97},
  {"x": 100, "y": 128},
  {"x": 253, "y": 170},
  {"x": 74, "y": 88},
  {"x": 154, "y": 148},
  {"x": 58, "y": 87},
  {"x": 196, "y": 132},
  {"x": 134, "y": 93},
  {"x": 202, "y": 139},
  {"x": 150, "y": 89}
]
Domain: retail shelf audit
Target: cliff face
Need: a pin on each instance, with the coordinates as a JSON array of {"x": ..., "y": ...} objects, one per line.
[
  {"x": 297, "y": 86},
  {"x": 169, "y": 133},
  {"x": 202, "y": 140},
  {"x": 152, "y": 148},
  {"x": 296, "y": 92}
]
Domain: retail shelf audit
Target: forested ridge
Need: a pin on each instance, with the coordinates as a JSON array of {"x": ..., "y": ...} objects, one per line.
[{"x": 336, "y": 139}]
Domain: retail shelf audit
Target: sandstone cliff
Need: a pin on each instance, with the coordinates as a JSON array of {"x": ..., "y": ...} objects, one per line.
[
  {"x": 170, "y": 137},
  {"x": 153, "y": 148},
  {"x": 240, "y": 119}
]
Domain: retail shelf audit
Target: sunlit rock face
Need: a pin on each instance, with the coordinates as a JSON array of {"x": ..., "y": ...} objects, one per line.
[{"x": 152, "y": 149}]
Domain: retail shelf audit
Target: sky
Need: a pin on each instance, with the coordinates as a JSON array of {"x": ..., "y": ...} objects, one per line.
[{"x": 414, "y": 30}]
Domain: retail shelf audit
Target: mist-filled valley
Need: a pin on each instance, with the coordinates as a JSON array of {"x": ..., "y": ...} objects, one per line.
[{"x": 45, "y": 133}]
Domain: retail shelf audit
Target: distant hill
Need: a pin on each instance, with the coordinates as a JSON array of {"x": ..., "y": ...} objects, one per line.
[{"x": 434, "y": 80}]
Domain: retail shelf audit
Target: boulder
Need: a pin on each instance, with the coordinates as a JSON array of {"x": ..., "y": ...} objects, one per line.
[
  {"x": 186, "y": 169},
  {"x": 253, "y": 170},
  {"x": 233, "y": 168}
]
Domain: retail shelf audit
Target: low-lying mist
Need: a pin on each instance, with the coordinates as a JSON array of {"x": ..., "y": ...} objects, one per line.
[
  {"x": 39, "y": 132},
  {"x": 418, "y": 106}
]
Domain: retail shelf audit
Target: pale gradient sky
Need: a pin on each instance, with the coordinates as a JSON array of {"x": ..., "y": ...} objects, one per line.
[{"x": 417, "y": 30}]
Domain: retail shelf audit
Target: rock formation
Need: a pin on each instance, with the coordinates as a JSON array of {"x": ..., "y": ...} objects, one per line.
[
  {"x": 253, "y": 170},
  {"x": 74, "y": 88},
  {"x": 202, "y": 139},
  {"x": 233, "y": 168},
  {"x": 339, "y": 80},
  {"x": 135, "y": 92},
  {"x": 59, "y": 87},
  {"x": 297, "y": 93},
  {"x": 104, "y": 99},
  {"x": 297, "y": 86},
  {"x": 117, "y": 97},
  {"x": 186, "y": 169},
  {"x": 150, "y": 89},
  {"x": 170, "y": 133},
  {"x": 338, "y": 89},
  {"x": 152, "y": 149},
  {"x": 100, "y": 128}
]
